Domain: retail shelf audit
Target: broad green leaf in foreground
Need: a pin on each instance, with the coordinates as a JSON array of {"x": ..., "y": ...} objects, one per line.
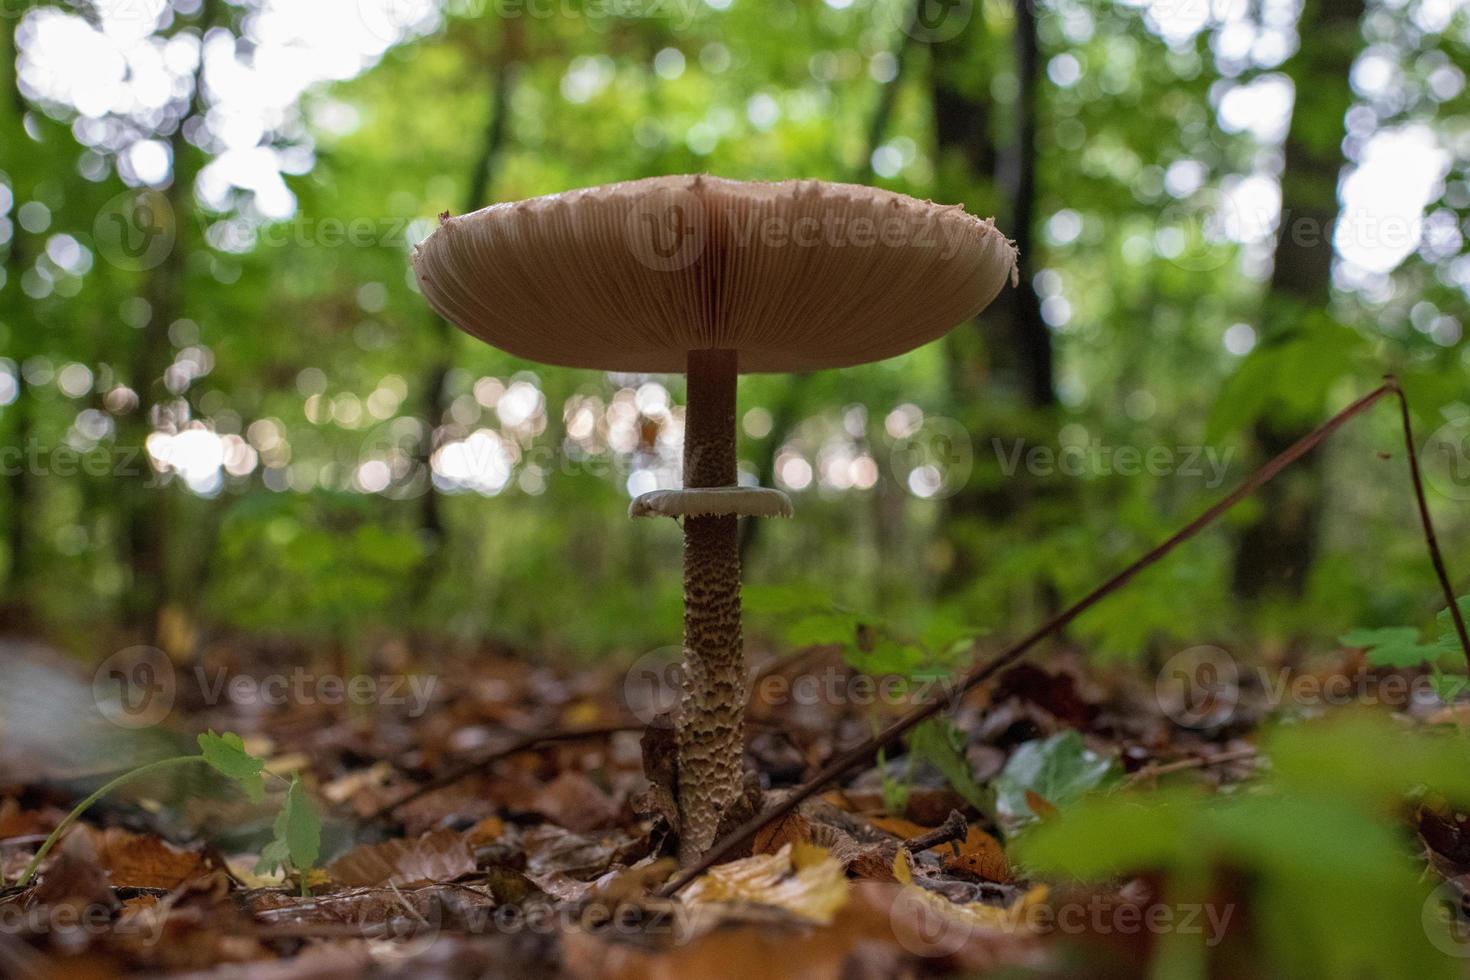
[
  {"x": 1059, "y": 769},
  {"x": 1334, "y": 892}
]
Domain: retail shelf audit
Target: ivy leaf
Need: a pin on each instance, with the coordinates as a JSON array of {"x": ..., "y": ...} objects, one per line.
[
  {"x": 298, "y": 832},
  {"x": 1059, "y": 770},
  {"x": 935, "y": 742},
  {"x": 1391, "y": 646},
  {"x": 226, "y": 754}
]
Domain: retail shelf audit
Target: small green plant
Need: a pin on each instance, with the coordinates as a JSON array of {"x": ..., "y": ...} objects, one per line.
[
  {"x": 1317, "y": 843},
  {"x": 1402, "y": 647},
  {"x": 297, "y": 839}
]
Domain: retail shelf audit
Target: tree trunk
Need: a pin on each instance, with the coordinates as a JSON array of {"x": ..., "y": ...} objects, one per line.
[
  {"x": 15, "y": 309},
  {"x": 1274, "y": 554},
  {"x": 1006, "y": 353},
  {"x": 431, "y": 521}
]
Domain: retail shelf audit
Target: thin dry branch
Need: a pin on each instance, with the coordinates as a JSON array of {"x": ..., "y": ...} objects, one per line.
[{"x": 861, "y": 753}]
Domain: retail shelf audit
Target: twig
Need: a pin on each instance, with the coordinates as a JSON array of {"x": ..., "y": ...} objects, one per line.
[
  {"x": 864, "y": 751},
  {"x": 1193, "y": 762},
  {"x": 954, "y": 828},
  {"x": 529, "y": 740},
  {"x": 1429, "y": 538}
]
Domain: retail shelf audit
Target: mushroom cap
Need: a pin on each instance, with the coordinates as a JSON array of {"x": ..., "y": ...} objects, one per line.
[{"x": 796, "y": 276}]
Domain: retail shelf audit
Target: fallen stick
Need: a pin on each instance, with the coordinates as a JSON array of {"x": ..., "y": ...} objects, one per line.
[
  {"x": 522, "y": 743},
  {"x": 858, "y": 754}
]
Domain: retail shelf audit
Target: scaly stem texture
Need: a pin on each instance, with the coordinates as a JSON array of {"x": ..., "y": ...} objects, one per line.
[{"x": 711, "y": 713}]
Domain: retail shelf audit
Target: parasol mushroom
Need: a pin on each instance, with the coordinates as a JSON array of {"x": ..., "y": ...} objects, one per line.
[{"x": 714, "y": 278}]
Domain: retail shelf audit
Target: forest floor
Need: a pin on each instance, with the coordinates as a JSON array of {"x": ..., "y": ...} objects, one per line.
[{"x": 539, "y": 849}]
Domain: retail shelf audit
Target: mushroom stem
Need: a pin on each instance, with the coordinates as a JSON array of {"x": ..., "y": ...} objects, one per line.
[{"x": 711, "y": 714}]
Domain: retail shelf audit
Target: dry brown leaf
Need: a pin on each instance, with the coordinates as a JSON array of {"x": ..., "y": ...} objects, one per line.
[
  {"x": 575, "y": 802},
  {"x": 1014, "y": 919},
  {"x": 800, "y": 878},
  {"x": 791, "y": 829},
  {"x": 440, "y": 855},
  {"x": 487, "y": 830},
  {"x": 980, "y": 855},
  {"x": 145, "y": 861},
  {"x": 899, "y": 827},
  {"x": 15, "y": 822}
]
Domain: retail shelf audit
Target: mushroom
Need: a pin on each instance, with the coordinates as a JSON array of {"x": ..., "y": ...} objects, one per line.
[{"x": 714, "y": 278}]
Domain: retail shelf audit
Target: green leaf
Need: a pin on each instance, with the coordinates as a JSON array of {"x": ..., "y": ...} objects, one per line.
[
  {"x": 938, "y": 743},
  {"x": 1313, "y": 837},
  {"x": 1391, "y": 646},
  {"x": 226, "y": 754},
  {"x": 1448, "y": 686},
  {"x": 298, "y": 833},
  {"x": 1449, "y": 637},
  {"x": 1060, "y": 770},
  {"x": 823, "y": 629}
]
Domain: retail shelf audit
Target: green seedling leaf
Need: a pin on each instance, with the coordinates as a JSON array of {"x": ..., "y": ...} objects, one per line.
[
  {"x": 1448, "y": 686},
  {"x": 937, "y": 743},
  {"x": 226, "y": 754},
  {"x": 1391, "y": 646},
  {"x": 298, "y": 834},
  {"x": 1060, "y": 770},
  {"x": 1449, "y": 637}
]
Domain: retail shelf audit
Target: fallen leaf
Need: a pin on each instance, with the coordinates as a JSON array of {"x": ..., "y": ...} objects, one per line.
[
  {"x": 145, "y": 861},
  {"x": 800, "y": 878},
  {"x": 438, "y": 856},
  {"x": 791, "y": 829},
  {"x": 980, "y": 855},
  {"x": 575, "y": 802},
  {"x": 1014, "y": 918}
]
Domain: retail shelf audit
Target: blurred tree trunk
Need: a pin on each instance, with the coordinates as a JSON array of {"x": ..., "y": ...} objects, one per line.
[
  {"x": 1274, "y": 554},
  {"x": 13, "y": 313},
  {"x": 1005, "y": 356},
  {"x": 477, "y": 190},
  {"x": 788, "y": 407},
  {"x": 147, "y": 527}
]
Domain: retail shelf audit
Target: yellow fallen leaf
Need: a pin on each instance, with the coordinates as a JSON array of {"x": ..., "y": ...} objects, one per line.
[
  {"x": 1015, "y": 917},
  {"x": 800, "y": 878}
]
